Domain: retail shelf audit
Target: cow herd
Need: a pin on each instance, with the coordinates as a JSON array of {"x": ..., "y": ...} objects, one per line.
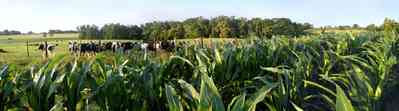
[{"x": 90, "y": 48}]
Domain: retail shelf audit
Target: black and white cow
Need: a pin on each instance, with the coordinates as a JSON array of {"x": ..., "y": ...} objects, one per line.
[
  {"x": 168, "y": 45},
  {"x": 73, "y": 47},
  {"x": 49, "y": 49}
]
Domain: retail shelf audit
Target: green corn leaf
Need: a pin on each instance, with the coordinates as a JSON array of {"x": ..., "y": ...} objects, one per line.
[
  {"x": 237, "y": 104},
  {"x": 273, "y": 70},
  {"x": 259, "y": 96},
  {"x": 307, "y": 83},
  {"x": 209, "y": 96},
  {"x": 297, "y": 108},
  {"x": 173, "y": 100},
  {"x": 3, "y": 72},
  {"x": 183, "y": 59},
  {"x": 189, "y": 90},
  {"x": 342, "y": 102},
  {"x": 217, "y": 56}
]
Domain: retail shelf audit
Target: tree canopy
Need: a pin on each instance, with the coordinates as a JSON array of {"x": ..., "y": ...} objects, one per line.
[{"x": 217, "y": 27}]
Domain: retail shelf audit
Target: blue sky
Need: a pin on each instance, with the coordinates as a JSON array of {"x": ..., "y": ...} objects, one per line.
[{"x": 42, "y": 15}]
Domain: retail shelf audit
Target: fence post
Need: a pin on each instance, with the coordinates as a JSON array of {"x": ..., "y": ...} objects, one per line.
[
  {"x": 46, "y": 48},
  {"x": 27, "y": 47},
  {"x": 45, "y": 45}
]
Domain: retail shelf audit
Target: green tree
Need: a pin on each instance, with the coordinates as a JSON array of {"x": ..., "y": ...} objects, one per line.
[{"x": 390, "y": 26}]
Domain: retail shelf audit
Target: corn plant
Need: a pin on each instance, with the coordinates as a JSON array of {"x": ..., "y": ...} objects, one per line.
[{"x": 320, "y": 72}]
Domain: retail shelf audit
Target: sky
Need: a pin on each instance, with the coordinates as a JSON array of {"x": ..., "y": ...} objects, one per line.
[{"x": 42, "y": 15}]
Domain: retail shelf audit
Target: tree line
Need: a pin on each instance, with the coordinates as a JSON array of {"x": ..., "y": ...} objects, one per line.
[
  {"x": 218, "y": 27},
  {"x": 10, "y": 32},
  {"x": 58, "y": 31},
  {"x": 370, "y": 27},
  {"x": 52, "y": 31},
  {"x": 388, "y": 26}
]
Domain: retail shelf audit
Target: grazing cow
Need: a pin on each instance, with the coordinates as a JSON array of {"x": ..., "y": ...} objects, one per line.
[
  {"x": 127, "y": 46},
  {"x": 114, "y": 46},
  {"x": 92, "y": 48},
  {"x": 70, "y": 46},
  {"x": 49, "y": 48},
  {"x": 73, "y": 47},
  {"x": 83, "y": 48},
  {"x": 168, "y": 45},
  {"x": 100, "y": 47},
  {"x": 108, "y": 46},
  {"x": 157, "y": 45},
  {"x": 153, "y": 45},
  {"x": 144, "y": 46}
]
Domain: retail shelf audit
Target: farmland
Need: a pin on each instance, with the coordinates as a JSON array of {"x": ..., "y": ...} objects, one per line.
[
  {"x": 16, "y": 52},
  {"x": 340, "y": 71},
  {"x": 199, "y": 55},
  {"x": 15, "y": 45}
]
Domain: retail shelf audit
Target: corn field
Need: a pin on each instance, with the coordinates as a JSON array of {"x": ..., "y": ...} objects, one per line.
[{"x": 329, "y": 72}]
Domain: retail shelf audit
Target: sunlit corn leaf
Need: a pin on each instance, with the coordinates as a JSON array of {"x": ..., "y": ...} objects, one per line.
[
  {"x": 310, "y": 83},
  {"x": 237, "y": 103},
  {"x": 217, "y": 56},
  {"x": 297, "y": 108},
  {"x": 189, "y": 90},
  {"x": 259, "y": 96},
  {"x": 183, "y": 59},
  {"x": 210, "y": 98},
  {"x": 342, "y": 102},
  {"x": 3, "y": 72},
  {"x": 173, "y": 99}
]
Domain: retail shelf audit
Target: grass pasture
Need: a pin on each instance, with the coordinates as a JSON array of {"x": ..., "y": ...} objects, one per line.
[{"x": 16, "y": 47}]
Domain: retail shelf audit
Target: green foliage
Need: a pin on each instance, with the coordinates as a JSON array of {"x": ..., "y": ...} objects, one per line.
[
  {"x": 390, "y": 27},
  {"x": 342, "y": 102},
  {"x": 327, "y": 72},
  {"x": 89, "y": 32},
  {"x": 218, "y": 27}
]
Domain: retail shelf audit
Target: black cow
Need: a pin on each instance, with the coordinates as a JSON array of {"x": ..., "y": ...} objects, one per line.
[
  {"x": 127, "y": 46},
  {"x": 87, "y": 49},
  {"x": 168, "y": 45},
  {"x": 107, "y": 46}
]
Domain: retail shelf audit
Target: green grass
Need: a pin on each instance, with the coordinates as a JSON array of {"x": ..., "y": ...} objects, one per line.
[
  {"x": 16, "y": 48},
  {"x": 17, "y": 54}
]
